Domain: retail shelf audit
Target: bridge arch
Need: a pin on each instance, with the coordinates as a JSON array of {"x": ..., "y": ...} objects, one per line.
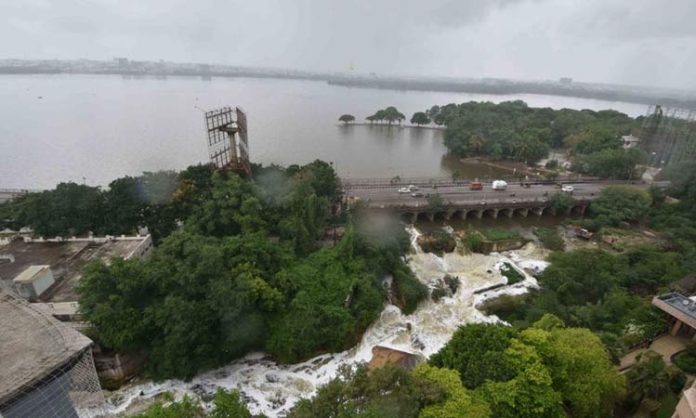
[
  {"x": 490, "y": 213},
  {"x": 523, "y": 212}
]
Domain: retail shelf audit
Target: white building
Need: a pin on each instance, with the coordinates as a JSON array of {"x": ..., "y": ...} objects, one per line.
[
  {"x": 33, "y": 281},
  {"x": 629, "y": 141}
]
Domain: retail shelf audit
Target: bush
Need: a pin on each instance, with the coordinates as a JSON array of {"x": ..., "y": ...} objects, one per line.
[
  {"x": 550, "y": 238},
  {"x": 473, "y": 241},
  {"x": 495, "y": 234},
  {"x": 686, "y": 361},
  {"x": 512, "y": 275}
]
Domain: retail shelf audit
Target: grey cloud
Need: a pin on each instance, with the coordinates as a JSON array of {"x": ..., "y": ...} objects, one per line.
[{"x": 619, "y": 41}]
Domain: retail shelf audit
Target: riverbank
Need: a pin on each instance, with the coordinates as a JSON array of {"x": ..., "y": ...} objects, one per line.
[{"x": 399, "y": 126}]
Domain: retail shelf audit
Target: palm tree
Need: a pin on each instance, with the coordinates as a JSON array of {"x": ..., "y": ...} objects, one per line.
[{"x": 649, "y": 378}]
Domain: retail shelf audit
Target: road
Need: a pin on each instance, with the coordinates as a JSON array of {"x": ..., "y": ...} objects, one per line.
[{"x": 462, "y": 195}]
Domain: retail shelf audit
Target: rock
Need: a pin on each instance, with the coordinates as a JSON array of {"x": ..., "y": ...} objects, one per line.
[
  {"x": 437, "y": 242},
  {"x": 382, "y": 356}
]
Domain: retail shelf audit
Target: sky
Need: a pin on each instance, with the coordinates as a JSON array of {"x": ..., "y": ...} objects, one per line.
[{"x": 640, "y": 42}]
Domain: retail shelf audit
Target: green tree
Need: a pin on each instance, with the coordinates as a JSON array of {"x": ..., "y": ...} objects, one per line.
[
  {"x": 561, "y": 202},
  {"x": 458, "y": 403},
  {"x": 476, "y": 352},
  {"x": 649, "y": 378},
  {"x": 420, "y": 118},
  {"x": 232, "y": 209},
  {"x": 620, "y": 204},
  {"x": 580, "y": 368},
  {"x": 346, "y": 119}
]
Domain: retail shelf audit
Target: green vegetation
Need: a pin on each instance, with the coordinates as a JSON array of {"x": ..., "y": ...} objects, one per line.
[
  {"x": 561, "y": 202},
  {"x": 420, "y": 118},
  {"x": 550, "y": 238},
  {"x": 389, "y": 115},
  {"x": 346, "y": 119},
  {"x": 497, "y": 234},
  {"x": 391, "y": 392},
  {"x": 155, "y": 200},
  {"x": 245, "y": 273},
  {"x": 620, "y": 204},
  {"x": 514, "y": 131},
  {"x": 512, "y": 275},
  {"x": 225, "y": 405},
  {"x": 686, "y": 360}
]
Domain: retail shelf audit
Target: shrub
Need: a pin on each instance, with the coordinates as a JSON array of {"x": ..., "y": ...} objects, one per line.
[
  {"x": 686, "y": 361},
  {"x": 512, "y": 275},
  {"x": 550, "y": 238}
]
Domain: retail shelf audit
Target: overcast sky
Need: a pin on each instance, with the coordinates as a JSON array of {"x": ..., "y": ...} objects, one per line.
[{"x": 647, "y": 42}]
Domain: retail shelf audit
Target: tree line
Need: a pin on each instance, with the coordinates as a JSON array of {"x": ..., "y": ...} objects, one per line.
[{"x": 514, "y": 131}]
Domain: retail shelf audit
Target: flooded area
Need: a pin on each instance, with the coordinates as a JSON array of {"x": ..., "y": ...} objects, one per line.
[
  {"x": 272, "y": 388},
  {"x": 93, "y": 129}
]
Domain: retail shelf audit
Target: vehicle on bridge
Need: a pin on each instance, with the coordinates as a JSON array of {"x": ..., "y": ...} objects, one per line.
[
  {"x": 475, "y": 185},
  {"x": 499, "y": 185},
  {"x": 567, "y": 188},
  {"x": 404, "y": 190}
]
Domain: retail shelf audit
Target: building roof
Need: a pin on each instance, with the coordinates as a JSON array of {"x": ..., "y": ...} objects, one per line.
[
  {"x": 34, "y": 346},
  {"x": 30, "y": 273},
  {"x": 66, "y": 259},
  {"x": 678, "y": 306}
]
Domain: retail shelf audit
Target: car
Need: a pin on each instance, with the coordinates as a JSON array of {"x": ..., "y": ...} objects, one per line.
[
  {"x": 403, "y": 190},
  {"x": 567, "y": 188},
  {"x": 413, "y": 187},
  {"x": 499, "y": 185},
  {"x": 417, "y": 194}
]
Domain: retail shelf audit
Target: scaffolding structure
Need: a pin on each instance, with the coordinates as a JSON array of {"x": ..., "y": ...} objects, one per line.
[
  {"x": 668, "y": 135},
  {"x": 228, "y": 143}
]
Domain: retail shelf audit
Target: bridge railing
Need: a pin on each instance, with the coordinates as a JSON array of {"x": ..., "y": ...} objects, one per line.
[{"x": 378, "y": 183}]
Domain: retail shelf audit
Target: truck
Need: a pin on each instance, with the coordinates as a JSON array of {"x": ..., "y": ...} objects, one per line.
[
  {"x": 499, "y": 185},
  {"x": 475, "y": 185}
]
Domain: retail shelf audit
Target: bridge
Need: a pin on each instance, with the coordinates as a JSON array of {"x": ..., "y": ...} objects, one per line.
[{"x": 459, "y": 202}]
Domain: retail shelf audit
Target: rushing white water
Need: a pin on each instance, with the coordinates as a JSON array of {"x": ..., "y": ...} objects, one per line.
[{"x": 272, "y": 389}]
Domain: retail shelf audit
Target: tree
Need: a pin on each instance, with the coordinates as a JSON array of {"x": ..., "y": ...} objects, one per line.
[
  {"x": 458, "y": 403},
  {"x": 420, "y": 118},
  {"x": 435, "y": 202},
  {"x": 561, "y": 202},
  {"x": 225, "y": 405},
  {"x": 620, "y": 204},
  {"x": 580, "y": 367},
  {"x": 476, "y": 351},
  {"x": 346, "y": 119},
  {"x": 649, "y": 377}
]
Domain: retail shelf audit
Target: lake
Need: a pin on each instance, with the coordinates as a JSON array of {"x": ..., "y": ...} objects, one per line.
[{"x": 90, "y": 128}]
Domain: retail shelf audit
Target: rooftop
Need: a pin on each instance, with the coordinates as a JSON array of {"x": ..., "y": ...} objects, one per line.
[
  {"x": 34, "y": 345},
  {"x": 30, "y": 273},
  {"x": 66, "y": 259},
  {"x": 678, "y": 306}
]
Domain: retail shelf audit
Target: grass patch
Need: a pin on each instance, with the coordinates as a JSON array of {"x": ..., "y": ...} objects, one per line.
[
  {"x": 550, "y": 238},
  {"x": 496, "y": 234},
  {"x": 513, "y": 276}
]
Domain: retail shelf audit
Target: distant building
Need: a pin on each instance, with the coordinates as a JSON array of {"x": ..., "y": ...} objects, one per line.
[
  {"x": 566, "y": 80},
  {"x": 64, "y": 258},
  {"x": 34, "y": 281},
  {"x": 46, "y": 367},
  {"x": 629, "y": 141}
]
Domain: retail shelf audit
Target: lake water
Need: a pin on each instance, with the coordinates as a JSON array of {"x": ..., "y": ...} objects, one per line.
[{"x": 96, "y": 128}]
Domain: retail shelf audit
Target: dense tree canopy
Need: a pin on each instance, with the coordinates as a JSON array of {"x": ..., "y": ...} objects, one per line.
[
  {"x": 512, "y": 130},
  {"x": 245, "y": 273},
  {"x": 621, "y": 204},
  {"x": 420, "y": 118}
]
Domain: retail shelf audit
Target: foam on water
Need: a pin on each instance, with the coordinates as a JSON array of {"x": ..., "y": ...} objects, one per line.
[{"x": 272, "y": 389}]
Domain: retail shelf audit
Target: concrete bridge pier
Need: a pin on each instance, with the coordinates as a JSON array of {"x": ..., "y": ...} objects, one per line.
[
  {"x": 538, "y": 211},
  {"x": 430, "y": 216},
  {"x": 478, "y": 213},
  {"x": 508, "y": 212},
  {"x": 523, "y": 211}
]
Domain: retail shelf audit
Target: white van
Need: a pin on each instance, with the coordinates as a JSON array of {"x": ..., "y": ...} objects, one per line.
[{"x": 499, "y": 185}]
